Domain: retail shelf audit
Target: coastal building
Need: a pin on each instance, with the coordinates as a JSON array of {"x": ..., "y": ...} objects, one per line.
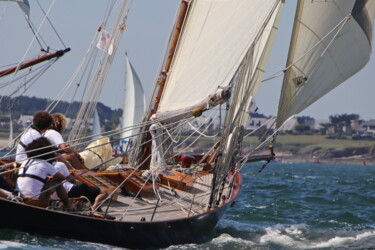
[
  {"x": 256, "y": 122},
  {"x": 367, "y": 127},
  {"x": 25, "y": 120}
]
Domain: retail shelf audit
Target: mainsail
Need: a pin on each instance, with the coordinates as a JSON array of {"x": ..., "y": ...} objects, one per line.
[
  {"x": 319, "y": 59},
  {"x": 216, "y": 51},
  {"x": 211, "y": 48},
  {"x": 134, "y": 103}
]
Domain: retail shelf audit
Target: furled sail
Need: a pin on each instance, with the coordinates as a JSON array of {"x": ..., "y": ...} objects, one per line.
[
  {"x": 331, "y": 41},
  {"x": 134, "y": 102},
  {"x": 211, "y": 48}
]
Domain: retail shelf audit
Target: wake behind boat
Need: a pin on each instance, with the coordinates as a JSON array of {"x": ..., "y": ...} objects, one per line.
[{"x": 161, "y": 192}]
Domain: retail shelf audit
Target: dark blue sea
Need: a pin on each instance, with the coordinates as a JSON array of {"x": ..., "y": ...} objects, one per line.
[{"x": 286, "y": 206}]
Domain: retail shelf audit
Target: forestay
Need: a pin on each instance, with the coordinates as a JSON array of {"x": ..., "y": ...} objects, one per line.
[
  {"x": 331, "y": 41},
  {"x": 246, "y": 84},
  {"x": 211, "y": 48},
  {"x": 253, "y": 65}
]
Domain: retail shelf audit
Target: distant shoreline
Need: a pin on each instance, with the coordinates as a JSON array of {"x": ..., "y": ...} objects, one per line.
[
  {"x": 352, "y": 160},
  {"x": 290, "y": 157}
]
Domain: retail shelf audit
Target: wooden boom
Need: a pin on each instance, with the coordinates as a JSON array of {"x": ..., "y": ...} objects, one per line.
[{"x": 37, "y": 60}]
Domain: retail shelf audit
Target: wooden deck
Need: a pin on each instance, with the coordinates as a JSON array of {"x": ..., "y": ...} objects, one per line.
[
  {"x": 177, "y": 196},
  {"x": 173, "y": 203}
]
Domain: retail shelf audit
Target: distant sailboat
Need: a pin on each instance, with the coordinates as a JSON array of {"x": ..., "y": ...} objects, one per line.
[
  {"x": 134, "y": 104},
  {"x": 9, "y": 145},
  {"x": 96, "y": 125},
  {"x": 10, "y": 129}
]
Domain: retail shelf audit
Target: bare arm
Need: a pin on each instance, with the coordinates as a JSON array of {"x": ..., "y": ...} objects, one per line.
[{"x": 58, "y": 176}]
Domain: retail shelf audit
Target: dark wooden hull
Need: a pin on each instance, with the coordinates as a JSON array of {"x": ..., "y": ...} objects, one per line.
[{"x": 125, "y": 234}]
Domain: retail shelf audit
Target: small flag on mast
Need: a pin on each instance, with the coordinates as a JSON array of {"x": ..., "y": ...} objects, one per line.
[{"x": 105, "y": 42}]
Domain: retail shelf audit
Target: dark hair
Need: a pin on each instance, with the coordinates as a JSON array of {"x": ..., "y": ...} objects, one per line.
[
  {"x": 42, "y": 120},
  {"x": 40, "y": 148}
]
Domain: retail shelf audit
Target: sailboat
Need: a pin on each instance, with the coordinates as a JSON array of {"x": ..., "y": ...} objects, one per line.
[
  {"x": 96, "y": 125},
  {"x": 173, "y": 190},
  {"x": 10, "y": 130},
  {"x": 134, "y": 104}
]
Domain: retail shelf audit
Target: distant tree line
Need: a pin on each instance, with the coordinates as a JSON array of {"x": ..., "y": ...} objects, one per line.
[{"x": 25, "y": 105}]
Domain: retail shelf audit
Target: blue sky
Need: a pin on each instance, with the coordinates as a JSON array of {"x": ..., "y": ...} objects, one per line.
[{"x": 144, "y": 40}]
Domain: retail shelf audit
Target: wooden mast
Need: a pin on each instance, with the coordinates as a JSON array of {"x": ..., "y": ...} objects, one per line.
[
  {"x": 172, "y": 49},
  {"x": 37, "y": 60},
  {"x": 146, "y": 148}
]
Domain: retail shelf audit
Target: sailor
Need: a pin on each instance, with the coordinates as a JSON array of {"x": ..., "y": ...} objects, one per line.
[
  {"x": 37, "y": 178},
  {"x": 54, "y": 134},
  {"x": 42, "y": 120},
  {"x": 78, "y": 189}
]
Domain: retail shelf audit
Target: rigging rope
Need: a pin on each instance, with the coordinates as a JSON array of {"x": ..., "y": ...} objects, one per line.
[
  {"x": 281, "y": 72},
  {"x": 95, "y": 87},
  {"x": 49, "y": 21}
]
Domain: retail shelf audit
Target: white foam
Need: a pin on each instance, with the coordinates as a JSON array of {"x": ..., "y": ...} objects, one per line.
[
  {"x": 183, "y": 247},
  {"x": 293, "y": 237},
  {"x": 226, "y": 238},
  {"x": 340, "y": 241},
  {"x": 277, "y": 235},
  {"x": 4, "y": 244},
  {"x": 252, "y": 206}
]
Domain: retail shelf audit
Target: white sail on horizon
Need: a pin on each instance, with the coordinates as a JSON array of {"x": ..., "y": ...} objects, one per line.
[
  {"x": 134, "y": 102},
  {"x": 10, "y": 129},
  {"x": 96, "y": 125}
]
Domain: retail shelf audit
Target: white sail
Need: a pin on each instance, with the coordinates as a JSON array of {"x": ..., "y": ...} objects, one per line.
[
  {"x": 134, "y": 102},
  {"x": 247, "y": 82},
  {"x": 96, "y": 125},
  {"x": 10, "y": 129},
  {"x": 331, "y": 41},
  {"x": 211, "y": 48},
  {"x": 252, "y": 68}
]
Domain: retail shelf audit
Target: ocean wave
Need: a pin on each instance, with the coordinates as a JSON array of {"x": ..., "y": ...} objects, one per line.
[
  {"x": 223, "y": 241},
  {"x": 10, "y": 244},
  {"x": 4, "y": 244},
  {"x": 299, "y": 237},
  {"x": 350, "y": 241},
  {"x": 253, "y": 206},
  {"x": 228, "y": 240}
]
